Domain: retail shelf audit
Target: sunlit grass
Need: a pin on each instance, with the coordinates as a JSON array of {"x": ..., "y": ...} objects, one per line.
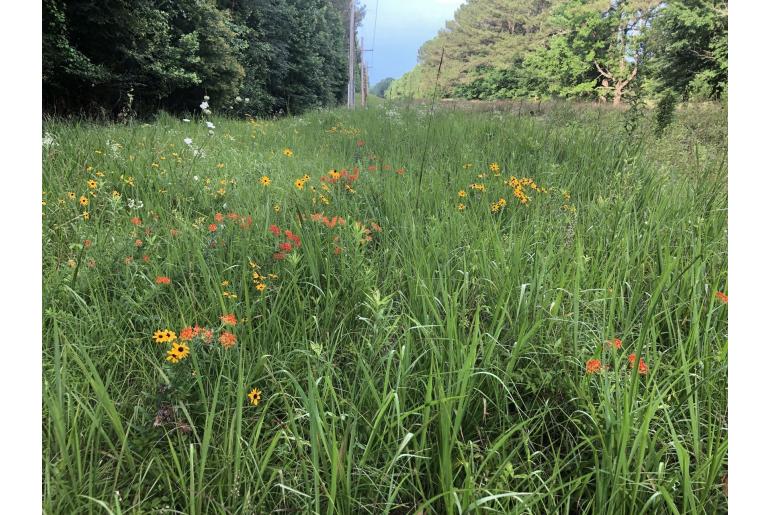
[{"x": 409, "y": 359}]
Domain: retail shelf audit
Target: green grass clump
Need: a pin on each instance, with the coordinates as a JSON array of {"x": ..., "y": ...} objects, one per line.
[{"x": 411, "y": 359}]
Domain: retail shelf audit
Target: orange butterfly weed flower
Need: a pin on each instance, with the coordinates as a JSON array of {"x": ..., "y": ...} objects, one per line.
[
  {"x": 275, "y": 230},
  {"x": 136, "y": 220},
  {"x": 279, "y": 256},
  {"x": 232, "y": 216},
  {"x": 593, "y": 366},
  {"x": 642, "y": 367},
  {"x": 162, "y": 279},
  {"x": 229, "y": 319},
  {"x": 285, "y": 246},
  {"x": 227, "y": 340},
  {"x": 721, "y": 296},
  {"x": 316, "y": 217},
  {"x": 87, "y": 244},
  {"x": 212, "y": 227},
  {"x": 616, "y": 343},
  {"x": 138, "y": 243},
  {"x": 219, "y": 217},
  {"x": 187, "y": 334}
]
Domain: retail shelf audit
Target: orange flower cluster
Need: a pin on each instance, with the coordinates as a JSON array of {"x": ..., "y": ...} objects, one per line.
[
  {"x": 293, "y": 241},
  {"x": 333, "y": 177},
  {"x": 721, "y": 296},
  {"x": 162, "y": 279},
  {"x": 329, "y": 223}
]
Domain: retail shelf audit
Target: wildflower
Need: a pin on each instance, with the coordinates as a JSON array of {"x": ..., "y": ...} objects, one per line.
[
  {"x": 227, "y": 339},
  {"x": 92, "y": 184},
  {"x": 593, "y": 366},
  {"x": 128, "y": 260},
  {"x": 212, "y": 227},
  {"x": 86, "y": 215},
  {"x": 204, "y": 105},
  {"x": 275, "y": 230},
  {"x": 401, "y": 171},
  {"x": 71, "y": 195},
  {"x": 288, "y": 152},
  {"x": 279, "y": 256},
  {"x": 299, "y": 184},
  {"x": 186, "y": 120},
  {"x": 277, "y": 208},
  {"x": 136, "y": 220},
  {"x": 187, "y": 334},
  {"x": 164, "y": 336},
  {"x": 162, "y": 279},
  {"x": 617, "y": 343},
  {"x": 138, "y": 243},
  {"x": 461, "y": 193},
  {"x": 461, "y": 207},
  {"x": 642, "y": 367},
  {"x": 219, "y": 217},
  {"x": 360, "y": 143},
  {"x": 72, "y": 263},
  {"x": 265, "y": 180},
  {"x": 115, "y": 195},
  {"x": 178, "y": 352},
  {"x": 87, "y": 244},
  {"x": 260, "y": 286},
  {"x": 188, "y": 141},
  {"x": 494, "y": 168},
  {"x": 210, "y": 125},
  {"x": 721, "y": 296},
  {"x": 285, "y": 247},
  {"x": 84, "y": 201},
  {"x": 255, "y": 396},
  {"x": 229, "y": 319}
]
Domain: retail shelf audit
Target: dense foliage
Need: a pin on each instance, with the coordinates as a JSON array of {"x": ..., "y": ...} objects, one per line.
[
  {"x": 590, "y": 49},
  {"x": 127, "y": 56}
]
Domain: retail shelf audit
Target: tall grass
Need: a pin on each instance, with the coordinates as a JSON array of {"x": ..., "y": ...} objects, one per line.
[{"x": 439, "y": 368}]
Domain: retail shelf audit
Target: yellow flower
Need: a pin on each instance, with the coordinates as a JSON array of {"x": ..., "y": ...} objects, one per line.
[
  {"x": 99, "y": 174},
  {"x": 164, "y": 336},
  {"x": 86, "y": 215},
  {"x": 116, "y": 195},
  {"x": 494, "y": 168},
  {"x": 277, "y": 208},
  {"x": 261, "y": 286},
  {"x": 71, "y": 195},
  {"x": 288, "y": 152},
  {"x": 461, "y": 207},
  {"x": 84, "y": 200},
  {"x": 265, "y": 180},
  {"x": 220, "y": 165},
  {"x": 299, "y": 184},
  {"x": 461, "y": 193},
  {"x": 178, "y": 352},
  {"x": 225, "y": 284},
  {"x": 255, "y": 396},
  {"x": 92, "y": 184}
]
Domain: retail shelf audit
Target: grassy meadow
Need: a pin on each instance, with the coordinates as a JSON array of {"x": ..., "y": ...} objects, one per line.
[{"x": 376, "y": 312}]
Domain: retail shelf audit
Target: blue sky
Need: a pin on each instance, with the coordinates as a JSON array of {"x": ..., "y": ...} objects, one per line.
[{"x": 402, "y": 26}]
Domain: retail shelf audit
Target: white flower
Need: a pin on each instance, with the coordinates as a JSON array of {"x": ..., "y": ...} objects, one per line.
[
  {"x": 135, "y": 204},
  {"x": 185, "y": 119},
  {"x": 210, "y": 125},
  {"x": 211, "y": 133},
  {"x": 49, "y": 140},
  {"x": 246, "y": 100},
  {"x": 206, "y": 111},
  {"x": 204, "y": 105},
  {"x": 238, "y": 99},
  {"x": 206, "y": 98},
  {"x": 195, "y": 177},
  {"x": 188, "y": 141}
]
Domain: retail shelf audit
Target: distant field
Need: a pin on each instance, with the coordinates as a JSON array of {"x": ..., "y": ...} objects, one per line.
[{"x": 345, "y": 313}]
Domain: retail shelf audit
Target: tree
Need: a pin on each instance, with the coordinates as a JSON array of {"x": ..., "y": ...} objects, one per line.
[
  {"x": 381, "y": 87},
  {"x": 689, "y": 48}
]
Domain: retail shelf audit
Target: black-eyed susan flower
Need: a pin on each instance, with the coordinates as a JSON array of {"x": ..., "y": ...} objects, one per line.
[
  {"x": 71, "y": 195},
  {"x": 494, "y": 168},
  {"x": 86, "y": 215},
  {"x": 265, "y": 180},
  {"x": 164, "y": 336},
  {"x": 255, "y": 396},
  {"x": 461, "y": 194},
  {"x": 461, "y": 207},
  {"x": 288, "y": 152},
  {"x": 299, "y": 184},
  {"x": 92, "y": 184},
  {"x": 84, "y": 200},
  {"x": 180, "y": 350}
]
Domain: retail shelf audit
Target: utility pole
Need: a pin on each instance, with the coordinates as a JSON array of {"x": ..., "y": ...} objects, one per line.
[
  {"x": 352, "y": 57},
  {"x": 364, "y": 87}
]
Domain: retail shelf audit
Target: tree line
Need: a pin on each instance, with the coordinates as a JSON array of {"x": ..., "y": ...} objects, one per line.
[
  {"x": 589, "y": 49},
  {"x": 127, "y": 57}
]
